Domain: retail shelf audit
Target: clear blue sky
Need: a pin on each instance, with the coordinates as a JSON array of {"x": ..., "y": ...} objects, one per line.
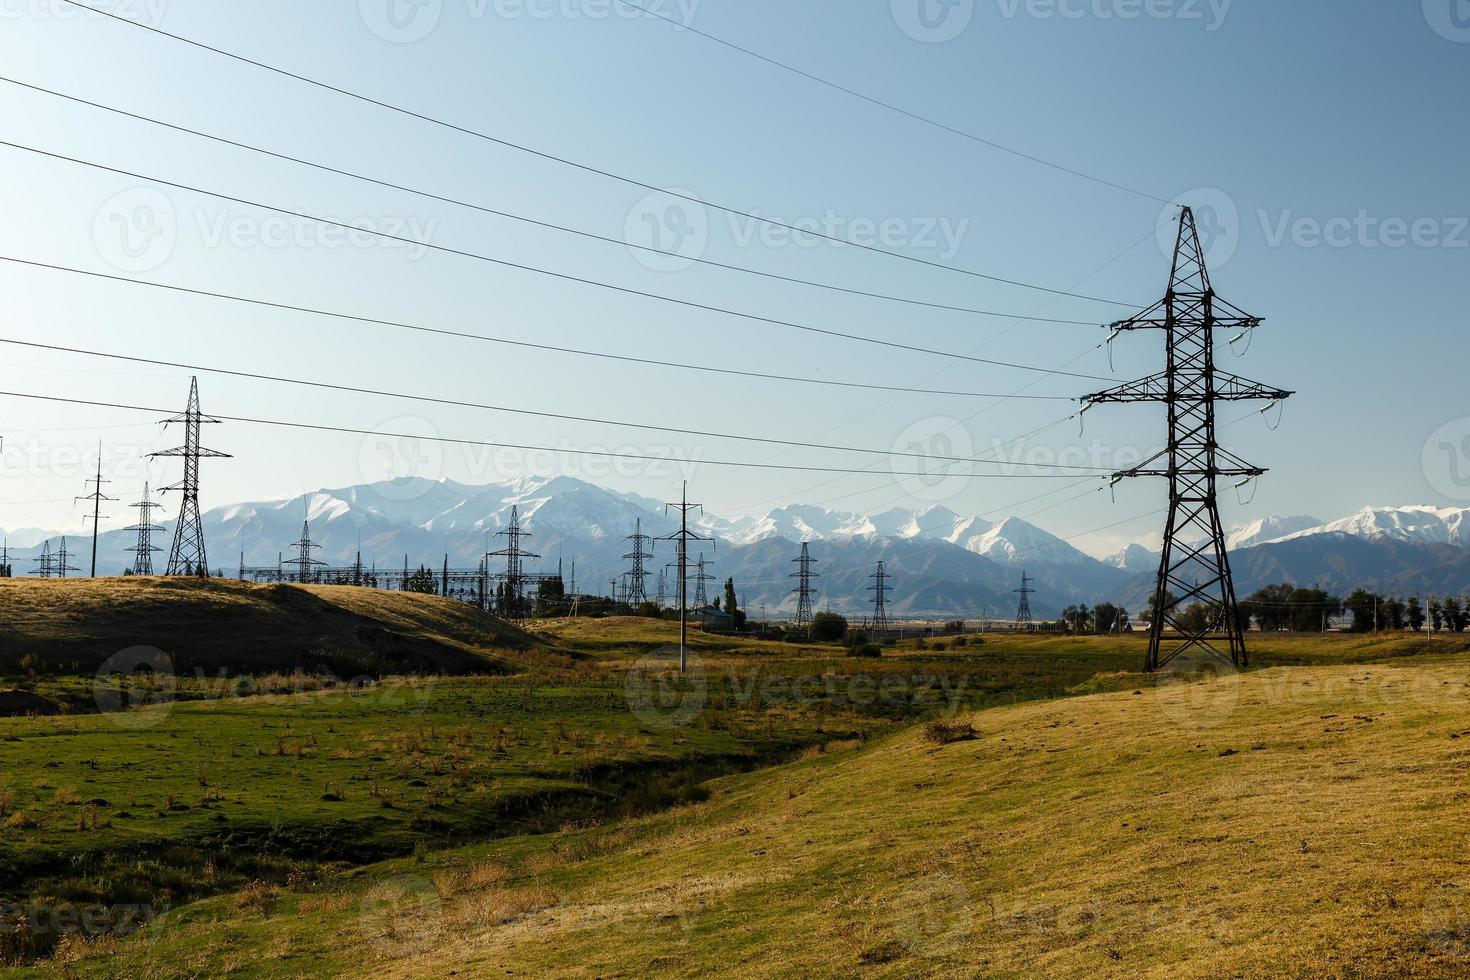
[{"x": 1276, "y": 118}]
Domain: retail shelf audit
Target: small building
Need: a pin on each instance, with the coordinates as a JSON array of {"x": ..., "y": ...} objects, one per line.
[{"x": 715, "y": 620}]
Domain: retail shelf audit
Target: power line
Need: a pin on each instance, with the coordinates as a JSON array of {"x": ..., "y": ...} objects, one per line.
[
  {"x": 892, "y": 107},
  {"x": 581, "y": 166},
  {"x": 485, "y": 338},
  {"x": 446, "y": 440},
  {"x": 378, "y": 392},
  {"x": 538, "y": 222},
  {"x": 463, "y": 253}
]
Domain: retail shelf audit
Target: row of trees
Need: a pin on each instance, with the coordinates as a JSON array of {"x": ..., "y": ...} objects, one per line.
[
  {"x": 1280, "y": 608},
  {"x": 1103, "y": 618}
]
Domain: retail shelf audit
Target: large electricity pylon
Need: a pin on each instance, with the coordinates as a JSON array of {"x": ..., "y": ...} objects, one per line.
[
  {"x": 637, "y": 575},
  {"x": 514, "y": 555},
  {"x": 1023, "y": 609},
  {"x": 1194, "y": 596},
  {"x": 681, "y": 539},
  {"x": 145, "y": 529},
  {"x": 804, "y": 592},
  {"x": 187, "y": 556},
  {"x": 880, "y": 600}
]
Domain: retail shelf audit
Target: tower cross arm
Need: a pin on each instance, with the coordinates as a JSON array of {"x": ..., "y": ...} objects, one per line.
[{"x": 200, "y": 451}]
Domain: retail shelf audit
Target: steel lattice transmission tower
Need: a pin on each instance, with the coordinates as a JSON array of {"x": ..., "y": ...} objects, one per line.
[
  {"x": 804, "y": 592},
  {"x": 305, "y": 564},
  {"x": 145, "y": 529},
  {"x": 514, "y": 554},
  {"x": 187, "y": 556},
  {"x": 701, "y": 594},
  {"x": 1202, "y": 614},
  {"x": 1023, "y": 609},
  {"x": 45, "y": 561},
  {"x": 880, "y": 599},
  {"x": 638, "y": 575},
  {"x": 681, "y": 539}
]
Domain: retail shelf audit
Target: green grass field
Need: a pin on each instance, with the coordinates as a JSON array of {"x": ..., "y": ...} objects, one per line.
[{"x": 574, "y": 807}]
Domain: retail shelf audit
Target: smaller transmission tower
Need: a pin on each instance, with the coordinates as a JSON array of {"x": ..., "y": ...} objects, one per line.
[
  {"x": 97, "y": 497},
  {"x": 880, "y": 600},
  {"x": 306, "y": 565},
  {"x": 1023, "y": 611},
  {"x": 681, "y": 539},
  {"x": 804, "y": 592},
  {"x": 701, "y": 594},
  {"x": 637, "y": 575},
  {"x": 187, "y": 556},
  {"x": 145, "y": 529},
  {"x": 45, "y": 561},
  {"x": 63, "y": 564},
  {"x": 662, "y": 598},
  {"x": 514, "y": 555}
]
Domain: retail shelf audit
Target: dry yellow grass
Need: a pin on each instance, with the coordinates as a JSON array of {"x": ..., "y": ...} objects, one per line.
[{"x": 1300, "y": 822}]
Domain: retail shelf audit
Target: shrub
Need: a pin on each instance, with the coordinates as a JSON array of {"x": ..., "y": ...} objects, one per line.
[
  {"x": 945, "y": 732},
  {"x": 960, "y": 641},
  {"x": 865, "y": 650},
  {"x": 828, "y": 626}
]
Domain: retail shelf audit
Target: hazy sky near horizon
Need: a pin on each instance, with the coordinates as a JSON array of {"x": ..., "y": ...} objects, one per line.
[{"x": 1323, "y": 142}]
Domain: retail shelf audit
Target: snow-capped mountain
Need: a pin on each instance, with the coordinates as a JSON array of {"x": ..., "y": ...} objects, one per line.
[
  {"x": 945, "y": 563},
  {"x": 1268, "y": 529},
  {"x": 1428, "y": 525},
  {"x": 1134, "y": 559}
]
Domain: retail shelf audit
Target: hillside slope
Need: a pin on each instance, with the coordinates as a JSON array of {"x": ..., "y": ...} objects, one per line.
[
  {"x": 75, "y": 625},
  {"x": 1308, "y": 821}
]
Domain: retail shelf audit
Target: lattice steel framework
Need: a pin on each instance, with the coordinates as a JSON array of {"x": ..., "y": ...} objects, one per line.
[
  {"x": 1023, "y": 608},
  {"x": 701, "y": 577},
  {"x": 804, "y": 592},
  {"x": 682, "y": 539},
  {"x": 880, "y": 599},
  {"x": 515, "y": 556},
  {"x": 307, "y": 567},
  {"x": 1194, "y": 598},
  {"x": 145, "y": 529},
  {"x": 637, "y": 575},
  {"x": 187, "y": 556}
]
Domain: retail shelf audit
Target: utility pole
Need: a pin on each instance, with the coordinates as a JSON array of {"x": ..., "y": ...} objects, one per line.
[
  {"x": 681, "y": 539},
  {"x": 1023, "y": 610},
  {"x": 637, "y": 575},
  {"x": 96, "y": 496},
  {"x": 145, "y": 529},
  {"x": 880, "y": 600},
  {"x": 804, "y": 591},
  {"x": 187, "y": 556},
  {"x": 1193, "y": 462}
]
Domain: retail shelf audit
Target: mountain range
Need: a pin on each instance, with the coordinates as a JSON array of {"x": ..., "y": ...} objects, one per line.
[{"x": 942, "y": 563}]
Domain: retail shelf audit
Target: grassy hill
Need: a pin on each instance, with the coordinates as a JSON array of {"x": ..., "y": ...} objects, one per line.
[
  {"x": 74, "y": 625},
  {"x": 1310, "y": 821}
]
